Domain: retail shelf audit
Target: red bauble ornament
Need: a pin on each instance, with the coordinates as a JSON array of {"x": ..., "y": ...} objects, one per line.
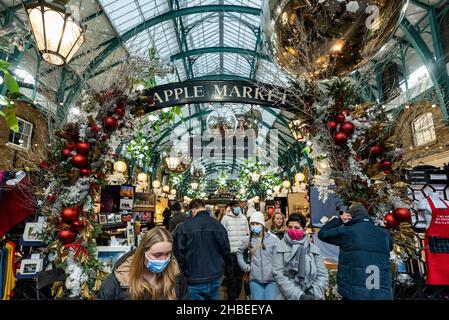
[
  {"x": 110, "y": 123},
  {"x": 390, "y": 221},
  {"x": 332, "y": 125},
  {"x": 85, "y": 172},
  {"x": 83, "y": 147},
  {"x": 120, "y": 111},
  {"x": 376, "y": 150},
  {"x": 69, "y": 214},
  {"x": 402, "y": 214},
  {"x": 79, "y": 161},
  {"x": 95, "y": 128},
  {"x": 340, "y": 138},
  {"x": 67, "y": 236},
  {"x": 386, "y": 165},
  {"x": 65, "y": 153},
  {"x": 70, "y": 146},
  {"x": 348, "y": 127},
  {"x": 388, "y": 171},
  {"x": 78, "y": 225},
  {"x": 341, "y": 118},
  {"x": 51, "y": 198}
]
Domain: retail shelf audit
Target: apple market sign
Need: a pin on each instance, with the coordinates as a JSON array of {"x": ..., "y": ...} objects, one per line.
[{"x": 193, "y": 92}]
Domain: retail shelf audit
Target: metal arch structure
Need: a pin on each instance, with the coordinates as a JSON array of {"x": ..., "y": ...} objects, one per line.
[
  {"x": 162, "y": 18},
  {"x": 168, "y": 16}
]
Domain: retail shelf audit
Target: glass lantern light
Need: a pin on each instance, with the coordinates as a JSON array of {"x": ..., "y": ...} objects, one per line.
[
  {"x": 300, "y": 177},
  {"x": 194, "y": 186},
  {"x": 255, "y": 177},
  {"x": 57, "y": 34},
  {"x": 172, "y": 162},
  {"x": 142, "y": 177},
  {"x": 120, "y": 167},
  {"x": 299, "y": 130},
  {"x": 156, "y": 184}
]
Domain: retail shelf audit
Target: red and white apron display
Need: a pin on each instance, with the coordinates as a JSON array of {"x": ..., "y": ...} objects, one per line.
[{"x": 437, "y": 246}]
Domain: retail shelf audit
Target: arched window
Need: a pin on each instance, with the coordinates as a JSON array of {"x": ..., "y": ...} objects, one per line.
[{"x": 424, "y": 130}]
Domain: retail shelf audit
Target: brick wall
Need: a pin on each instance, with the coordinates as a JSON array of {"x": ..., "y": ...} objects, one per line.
[{"x": 12, "y": 157}]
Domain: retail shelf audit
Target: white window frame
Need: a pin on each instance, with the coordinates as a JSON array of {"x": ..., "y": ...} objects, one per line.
[
  {"x": 27, "y": 144},
  {"x": 423, "y": 128}
]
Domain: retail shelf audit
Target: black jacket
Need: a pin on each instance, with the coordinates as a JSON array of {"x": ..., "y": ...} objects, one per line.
[
  {"x": 166, "y": 214},
  {"x": 177, "y": 218},
  {"x": 201, "y": 248},
  {"x": 115, "y": 286}
]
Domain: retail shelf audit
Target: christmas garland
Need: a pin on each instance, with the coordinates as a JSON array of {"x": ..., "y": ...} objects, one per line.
[
  {"x": 249, "y": 188},
  {"x": 354, "y": 148},
  {"x": 75, "y": 172}
]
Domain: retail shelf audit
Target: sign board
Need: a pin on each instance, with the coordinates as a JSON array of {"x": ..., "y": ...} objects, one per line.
[{"x": 193, "y": 92}]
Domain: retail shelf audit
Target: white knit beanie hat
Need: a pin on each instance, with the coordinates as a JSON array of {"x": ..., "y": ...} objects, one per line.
[{"x": 257, "y": 217}]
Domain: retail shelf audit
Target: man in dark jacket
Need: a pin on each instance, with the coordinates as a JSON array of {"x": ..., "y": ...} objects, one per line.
[
  {"x": 177, "y": 218},
  {"x": 364, "y": 262},
  {"x": 201, "y": 247}
]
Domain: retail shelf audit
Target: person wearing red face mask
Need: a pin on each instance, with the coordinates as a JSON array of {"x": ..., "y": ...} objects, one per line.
[{"x": 298, "y": 267}]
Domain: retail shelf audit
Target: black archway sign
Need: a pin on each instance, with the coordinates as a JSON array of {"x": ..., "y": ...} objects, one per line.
[{"x": 222, "y": 91}]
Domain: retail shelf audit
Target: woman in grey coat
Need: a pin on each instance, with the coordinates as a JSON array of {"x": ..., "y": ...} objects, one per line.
[
  {"x": 298, "y": 267},
  {"x": 260, "y": 245}
]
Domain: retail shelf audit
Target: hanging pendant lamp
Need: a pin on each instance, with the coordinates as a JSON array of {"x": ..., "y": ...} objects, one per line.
[{"x": 57, "y": 34}]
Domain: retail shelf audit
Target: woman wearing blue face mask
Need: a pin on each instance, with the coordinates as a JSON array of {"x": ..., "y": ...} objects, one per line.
[
  {"x": 236, "y": 225},
  {"x": 259, "y": 246},
  {"x": 148, "y": 273}
]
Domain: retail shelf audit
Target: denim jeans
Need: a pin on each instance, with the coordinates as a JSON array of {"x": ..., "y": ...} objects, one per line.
[
  {"x": 263, "y": 291},
  {"x": 205, "y": 291}
]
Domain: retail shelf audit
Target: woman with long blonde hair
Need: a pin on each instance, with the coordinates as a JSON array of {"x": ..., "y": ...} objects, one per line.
[
  {"x": 277, "y": 225},
  {"x": 150, "y": 272}
]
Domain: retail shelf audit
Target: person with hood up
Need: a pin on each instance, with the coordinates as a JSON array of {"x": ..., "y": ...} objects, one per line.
[{"x": 298, "y": 268}]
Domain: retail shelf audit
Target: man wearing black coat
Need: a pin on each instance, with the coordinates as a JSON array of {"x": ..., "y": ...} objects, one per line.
[
  {"x": 201, "y": 247},
  {"x": 177, "y": 218},
  {"x": 364, "y": 261}
]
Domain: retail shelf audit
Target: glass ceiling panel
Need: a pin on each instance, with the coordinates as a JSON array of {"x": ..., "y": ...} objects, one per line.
[
  {"x": 205, "y": 30},
  {"x": 238, "y": 35},
  {"x": 206, "y": 63},
  {"x": 246, "y": 3}
]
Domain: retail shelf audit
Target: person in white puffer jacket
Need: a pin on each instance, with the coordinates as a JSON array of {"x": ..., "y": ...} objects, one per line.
[{"x": 236, "y": 224}]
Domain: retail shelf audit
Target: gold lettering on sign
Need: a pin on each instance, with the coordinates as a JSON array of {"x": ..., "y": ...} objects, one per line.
[
  {"x": 271, "y": 95},
  {"x": 221, "y": 93},
  {"x": 158, "y": 97},
  {"x": 258, "y": 95},
  {"x": 178, "y": 91},
  {"x": 235, "y": 90},
  {"x": 186, "y": 93},
  {"x": 198, "y": 91},
  {"x": 168, "y": 94},
  {"x": 284, "y": 97},
  {"x": 247, "y": 92}
]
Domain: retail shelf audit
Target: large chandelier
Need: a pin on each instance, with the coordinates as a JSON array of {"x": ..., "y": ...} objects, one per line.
[
  {"x": 58, "y": 36},
  {"x": 221, "y": 121}
]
